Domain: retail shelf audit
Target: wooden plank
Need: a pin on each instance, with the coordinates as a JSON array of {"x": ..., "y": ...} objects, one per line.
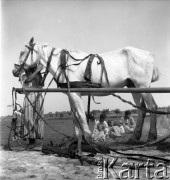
[{"x": 99, "y": 90}]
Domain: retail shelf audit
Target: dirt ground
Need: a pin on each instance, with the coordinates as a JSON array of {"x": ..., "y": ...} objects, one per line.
[
  {"x": 39, "y": 166},
  {"x": 36, "y": 165}
]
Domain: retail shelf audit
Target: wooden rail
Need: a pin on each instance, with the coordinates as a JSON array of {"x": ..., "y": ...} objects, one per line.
[{"x": 99, "y": 90}]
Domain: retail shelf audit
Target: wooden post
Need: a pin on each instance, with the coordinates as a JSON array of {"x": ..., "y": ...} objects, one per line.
[{"x": 88, "y": 109}]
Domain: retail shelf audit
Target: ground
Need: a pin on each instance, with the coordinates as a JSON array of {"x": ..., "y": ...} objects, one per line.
[
  {"x": 35, "y": 165},
  {"x": 24, "y": 165}
]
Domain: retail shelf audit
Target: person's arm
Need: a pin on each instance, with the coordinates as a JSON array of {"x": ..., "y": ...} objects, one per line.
[
  {"x": 106, "y": 124},
  {"x": 121, "y": 121},
  {"x": 96, "y": 122},
  {"x": 106, "y": 127},
  {"x": 132, "y": 121}
]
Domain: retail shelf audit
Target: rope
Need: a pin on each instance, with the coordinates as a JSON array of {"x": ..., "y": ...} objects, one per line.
[
  {"x": 138, "y": 107},
  {"x": 138, "y": 154}
]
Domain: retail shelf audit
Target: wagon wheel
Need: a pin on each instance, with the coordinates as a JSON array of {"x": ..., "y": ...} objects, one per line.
[{"x": 17, "y": 141}]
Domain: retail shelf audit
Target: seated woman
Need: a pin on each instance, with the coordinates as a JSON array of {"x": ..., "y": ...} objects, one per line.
[
  {"x": 128, "y": 122},
  {"x": 101, "y": 129}
]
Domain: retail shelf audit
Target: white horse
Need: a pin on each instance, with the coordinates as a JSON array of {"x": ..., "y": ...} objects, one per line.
[{"x": 129, "y": 66}]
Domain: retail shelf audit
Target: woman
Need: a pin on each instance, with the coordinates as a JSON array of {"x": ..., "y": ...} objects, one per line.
[
  {"x": 101, "y": 129},
  {"x": 34, "y": 126},
  {"x": 128, "y": 122}
]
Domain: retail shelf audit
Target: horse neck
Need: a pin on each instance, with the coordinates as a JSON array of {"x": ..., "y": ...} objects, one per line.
[{"x": 55, "y": 61}]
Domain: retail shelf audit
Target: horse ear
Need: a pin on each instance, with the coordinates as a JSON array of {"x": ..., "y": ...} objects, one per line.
[{"x": 31, "y": 41}]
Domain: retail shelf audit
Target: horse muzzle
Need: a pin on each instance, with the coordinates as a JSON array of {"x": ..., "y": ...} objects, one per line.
[{"x": 16, "y": 71}]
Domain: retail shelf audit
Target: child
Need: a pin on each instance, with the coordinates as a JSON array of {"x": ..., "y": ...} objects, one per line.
[
  {"x": 101, "y": 129},
  {"x": 114, "y": 131}
]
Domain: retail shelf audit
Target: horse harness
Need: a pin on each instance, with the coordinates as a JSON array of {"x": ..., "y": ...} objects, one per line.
[{"x": 64, "y": 55}]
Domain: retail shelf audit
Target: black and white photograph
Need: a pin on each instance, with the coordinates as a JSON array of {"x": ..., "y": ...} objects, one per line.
[{"x": 85, "y": 89}]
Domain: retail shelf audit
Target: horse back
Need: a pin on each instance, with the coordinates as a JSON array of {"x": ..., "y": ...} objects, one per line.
[{"x": 126, "y": 63}]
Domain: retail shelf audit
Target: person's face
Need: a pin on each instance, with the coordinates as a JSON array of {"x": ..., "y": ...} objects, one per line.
[
  {"x": 100, "y": 128},
  {"x": 128, "y": 116}
]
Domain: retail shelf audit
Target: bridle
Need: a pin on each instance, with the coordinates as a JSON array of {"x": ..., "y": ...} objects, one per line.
[{"x": 31, "y": 49}]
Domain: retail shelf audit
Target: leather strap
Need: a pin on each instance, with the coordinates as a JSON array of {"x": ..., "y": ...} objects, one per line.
[
  {"x": 88, "y": 71},
  {"x": 48, "y": 65},
  {"x": 101, "y": 61}
]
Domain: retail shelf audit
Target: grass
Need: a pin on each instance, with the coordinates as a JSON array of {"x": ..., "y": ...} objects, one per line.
[{"x": 64, "y": 126}]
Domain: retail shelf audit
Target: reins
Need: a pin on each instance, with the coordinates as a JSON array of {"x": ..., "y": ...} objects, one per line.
[
  {"x": 48, "y": 65},
  {"x": 31, "y": 49}
]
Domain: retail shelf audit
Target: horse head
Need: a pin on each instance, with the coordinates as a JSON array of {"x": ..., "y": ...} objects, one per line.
[{"x": 30, "y": 57}]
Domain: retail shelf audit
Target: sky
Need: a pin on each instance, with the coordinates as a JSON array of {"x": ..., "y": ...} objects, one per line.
[{"x": 95, "y": 26}]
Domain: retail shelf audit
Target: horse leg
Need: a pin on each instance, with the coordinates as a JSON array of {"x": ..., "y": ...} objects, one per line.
[
  {"x": 141, "y": 116},
  {"x": 152, "y": 106},
  {"x": 82, "y": 127},
  {"x": 78, "y": 134}
]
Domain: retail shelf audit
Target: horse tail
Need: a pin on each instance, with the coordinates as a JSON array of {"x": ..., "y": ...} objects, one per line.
[{"x": 156, "y": 74}]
